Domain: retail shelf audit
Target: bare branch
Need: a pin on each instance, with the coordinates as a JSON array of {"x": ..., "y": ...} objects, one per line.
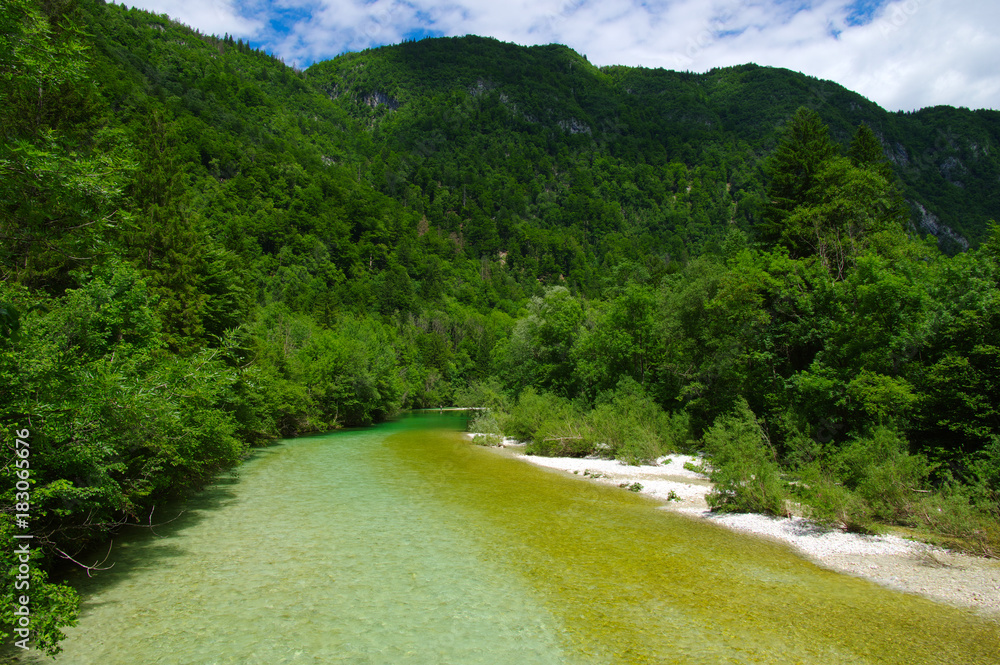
[{"x": 96, "y": 566}]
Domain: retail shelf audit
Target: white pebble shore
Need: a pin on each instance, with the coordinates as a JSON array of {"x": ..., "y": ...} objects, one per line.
[{"x": 899, "y": 563}]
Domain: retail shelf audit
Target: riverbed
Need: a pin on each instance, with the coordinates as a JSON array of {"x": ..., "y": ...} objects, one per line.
[
  {"x": 404, "y": 543},
  {"x": 890, "y": 560}
]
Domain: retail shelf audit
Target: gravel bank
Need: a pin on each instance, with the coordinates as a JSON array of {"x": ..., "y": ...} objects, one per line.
[{"x": 891, "y": 561}]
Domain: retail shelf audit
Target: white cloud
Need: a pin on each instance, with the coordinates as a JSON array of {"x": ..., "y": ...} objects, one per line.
[
  {"x": 914, "y": 53},
  {"x": 213, "y": 17}
]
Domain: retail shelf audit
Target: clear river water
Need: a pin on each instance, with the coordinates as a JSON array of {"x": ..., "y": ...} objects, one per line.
[{"x": 403, "y": 543}]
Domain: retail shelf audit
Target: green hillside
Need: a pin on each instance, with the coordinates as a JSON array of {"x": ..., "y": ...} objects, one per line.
[
  {"x": 202, "y": 249},
  {"x": 724, "y": 122}
]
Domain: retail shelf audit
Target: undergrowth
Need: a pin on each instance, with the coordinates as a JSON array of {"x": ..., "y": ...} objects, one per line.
[{"x": 866, "y": 484}]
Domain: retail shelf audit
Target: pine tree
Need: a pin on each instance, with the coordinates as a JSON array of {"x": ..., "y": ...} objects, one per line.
[
  {"x": 804, "y": 149},
  {"x": 169, "y": 247},
  {"x": 866, "y": 152}
]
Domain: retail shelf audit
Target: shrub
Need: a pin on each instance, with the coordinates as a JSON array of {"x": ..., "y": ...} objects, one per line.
[
  {"x": 677, "y": 434},
  {"x": 869, "y": 480},
  {"x": 640, "y": 446},
  {"x": 548, "y": 422},
  {"x": 633, "y": 427},
  {"x": 832, "y": 504},
  {"x": 985, "y": 478},
  {"x": 743, "y": 463},
  {"x": 528, "y": 414},
  {"x": 488, "y": 394},
  {"x": 561, "y": 437},
  {"x": 951, "y": 513},
  {"x": 882, "y": 472},
  {"x": 487, "y": 429}
]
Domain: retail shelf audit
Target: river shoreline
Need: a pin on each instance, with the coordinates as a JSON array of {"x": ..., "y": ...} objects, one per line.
[{"x": 905, "y": 565}]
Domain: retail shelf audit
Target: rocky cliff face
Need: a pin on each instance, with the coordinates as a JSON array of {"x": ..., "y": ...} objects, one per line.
[
  {"x": 377, "y": 98},
  {"x": 947, "y": 238}
]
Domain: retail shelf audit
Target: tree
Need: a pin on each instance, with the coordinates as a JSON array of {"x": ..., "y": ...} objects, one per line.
[
  {"x": 831, "y": 207},
  {"x": 847, "y": 210},
  {"x": 61, "y": 179},
  {"x": 622, "y": 343},
  {"x": 794, "y": 167},
  {"x": 959, "y": 415},
  {"x": 865, "y": 151},
  {"x": 539, "y": 349}
]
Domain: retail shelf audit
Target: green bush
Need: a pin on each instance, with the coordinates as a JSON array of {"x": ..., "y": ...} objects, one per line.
[
  {"x": 640, "y": 447},
  {"x": 486, "y": 428},
  {"x": 871, "y": 479},
  {"x": 743, "y": 464},
  {"x": 678, "y": 434},
  {"x": 831, "y": 504},
  {"x": 561, "y": 437},
  {"x": 608, "y": 427},
  {"x": 531, "y": 411},
  {"x": 487, "y": 394},
  {"x": 628, "y": 425},
  {"x": 882, "y": 472},
  {"x": 985, "y": 478},
  {"x": 952, "y": 513}
]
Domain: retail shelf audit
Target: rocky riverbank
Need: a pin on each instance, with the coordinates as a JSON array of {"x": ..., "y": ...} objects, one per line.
[{"x": 898, "y": 563}]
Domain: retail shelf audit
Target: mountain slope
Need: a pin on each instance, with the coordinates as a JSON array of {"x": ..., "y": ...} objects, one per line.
[{"x": 418, "y": 94}]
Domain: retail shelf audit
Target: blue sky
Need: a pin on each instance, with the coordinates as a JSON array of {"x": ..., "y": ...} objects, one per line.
[{"x": 904, "y": 54}]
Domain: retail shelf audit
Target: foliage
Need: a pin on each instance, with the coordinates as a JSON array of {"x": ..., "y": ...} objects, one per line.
[
  {"x": 486, "y": 427},
  {"x": 546, "y": 420},
  {"x": 539, "y": 350},
  {"x": 53, "y": 606},
  {"x": 952, "y": 518},
  {"x": 881, "y": 471},
  {"x": 486, "y": 394},
  {"x": 61, "y": 174},
  {"x": 620, "y": 343},
  {"x": 868, "y": 481},
  {"x": 744, "y": 468},
  {"x": 830, "y": 503},
  {"x": 630, "y": 426},
  {"x": 625, "y": 424},
  {"x": 795, "y": 166},
  {"x": 203, "y": 249}
]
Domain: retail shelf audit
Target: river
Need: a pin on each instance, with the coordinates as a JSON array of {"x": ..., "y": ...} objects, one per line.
[{"x": 403, "y": 543}]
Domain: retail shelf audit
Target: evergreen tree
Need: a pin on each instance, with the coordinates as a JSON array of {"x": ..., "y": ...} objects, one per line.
[
  {"x": 865, "y": 151},
  {"x": 794, "y": 167}
]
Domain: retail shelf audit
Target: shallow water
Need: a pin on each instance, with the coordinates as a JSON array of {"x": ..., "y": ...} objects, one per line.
[{"x": 405, "y": 544}]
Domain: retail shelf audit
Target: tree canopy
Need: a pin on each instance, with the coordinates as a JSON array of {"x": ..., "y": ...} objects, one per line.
[{"x": 202, "y": 249}]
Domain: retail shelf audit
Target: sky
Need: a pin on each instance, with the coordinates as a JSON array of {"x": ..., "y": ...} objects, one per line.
[{"x": 903, "y": 55}]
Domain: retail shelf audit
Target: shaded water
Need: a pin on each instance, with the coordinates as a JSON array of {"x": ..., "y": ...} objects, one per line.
[{"x": 405, "y": 544}]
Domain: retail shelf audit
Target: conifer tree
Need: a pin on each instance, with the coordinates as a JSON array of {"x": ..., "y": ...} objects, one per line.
[
  {"x": 866, "y": 152},
  {"x": 829, "y": 207},
  {"x": 804, "y": 149}
]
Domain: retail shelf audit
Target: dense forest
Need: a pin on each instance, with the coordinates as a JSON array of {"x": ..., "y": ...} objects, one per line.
[{"x": 202, "y": 250}]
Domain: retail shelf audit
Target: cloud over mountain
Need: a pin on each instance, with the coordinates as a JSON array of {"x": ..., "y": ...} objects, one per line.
[{"x": 904, "y": 55}]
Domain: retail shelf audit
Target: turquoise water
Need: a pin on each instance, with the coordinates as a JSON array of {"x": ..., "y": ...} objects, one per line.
[{"x": 405, "y": 544}]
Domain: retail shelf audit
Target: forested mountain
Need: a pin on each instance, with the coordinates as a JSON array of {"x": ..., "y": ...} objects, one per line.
[
  {"x": 474, "y": 113},
  {"x": 202, "y": 249}
]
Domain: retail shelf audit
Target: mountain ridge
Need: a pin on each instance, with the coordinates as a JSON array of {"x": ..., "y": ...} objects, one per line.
[{"x": 939, "y": 153}]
